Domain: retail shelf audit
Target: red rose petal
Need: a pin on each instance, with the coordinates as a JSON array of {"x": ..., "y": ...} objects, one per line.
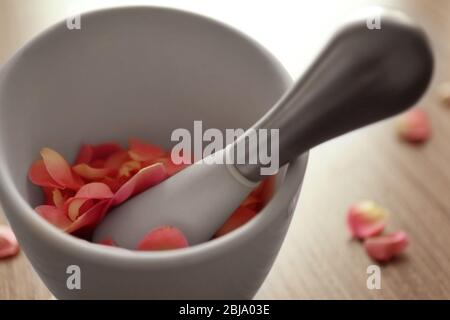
[
  {"x": 239, "y": 217},
  {"x": 265, "y": 190},
  {"x": 252, "y": 202},
  {"x": 85, "y": 154},
  {"x": 105, "y": 150},
  {"x": 414, "y": 126},
  {"x": 163, "y": 238},
  {"x": 91, "y": 173},
  {"x": 59, "y": 169},
  {"x": 144, "y": 179},
  {"x": 171, "y": 167},
  {"x": 142, "y": 151},
  {"x": 129, "y": 168},
  {"x": 114, "y": 184},
  {"x": 91, "y": 217},
  {"x": 54, "y": 215},
  {"x": 94, "y": 190},
  {"x": 58, "y": 198},
  {"x": 384, "y": 248},
  {"x": 75, "y": 207},
  {"x": 116, "y": 160},
  {"x": 39, "y": 175},
  {"x": 8, "y": 243},
  {"x": 366, "y": 219}
]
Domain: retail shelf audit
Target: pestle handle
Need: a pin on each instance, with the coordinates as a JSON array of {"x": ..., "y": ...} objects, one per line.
[{"x": 361, "y": 76}]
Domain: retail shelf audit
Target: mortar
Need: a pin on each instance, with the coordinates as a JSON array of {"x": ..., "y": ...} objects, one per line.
[{"x": 139, "y": 71}]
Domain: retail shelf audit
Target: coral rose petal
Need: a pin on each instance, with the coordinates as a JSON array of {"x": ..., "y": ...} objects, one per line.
[
  {"x": 39, "y": 175},
  {"x": 239, "y": 217},
  {"x": 163, "y": 238},
  {"x": 414, "y": 126},
  {"x": 252, "y": 202},
  {"x": 116, "y": 160},
  {"x": 8, "y": 243},
  {"x": 105, "y": 150},
  {"x": 59, "y": 169},
  {"x": 91, "y": 217},
  {"x": 144, "y": 179},
  {"x": 75, "y": 207},
  {"x": 386, "y": 247},
  {"x": 94, "y": 190},
  {"x": 142, "y": 151},
  {"x": 90, "y": 173},
  {"x": 129, "y": 168},
  {"x": 54, "y": 215},
  {"x": 366, "y": 219},
  {"x": 85, "y": 154}
]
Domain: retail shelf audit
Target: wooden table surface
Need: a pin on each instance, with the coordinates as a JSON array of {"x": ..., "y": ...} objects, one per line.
[{"x": 318, "y": 259}]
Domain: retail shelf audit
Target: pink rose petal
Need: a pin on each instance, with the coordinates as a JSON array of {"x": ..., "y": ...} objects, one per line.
[
  {"x": 90, "y": 173},
  {"x": 384, "y": 248},
  {"x": 142, "y": 151},
  {"x": 94, "y": 190},
  {"x": 366, "y": 219},
  {"x": 8, "y": 243},
  {"x": 91, "y": 217},
  {"x": 105, "y": 150},
  {"x": 414, "y": 126},
  {"x": 116, "y": 160},
  {"x": 59, "y": 169},
  {"x": 75, "y": 207},
  {"x": 39, "y": 175},
  {"x": 54, "y": 215},
  {"x": 163, "y": 238},
  {"x": 144, "y": 179},
  {"x": 85, "y": 154}
]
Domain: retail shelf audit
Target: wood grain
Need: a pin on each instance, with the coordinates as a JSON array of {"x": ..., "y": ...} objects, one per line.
[{"x": 318, "y": 259}]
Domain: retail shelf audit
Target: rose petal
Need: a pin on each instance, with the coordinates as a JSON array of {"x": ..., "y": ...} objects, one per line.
[
  {"x": 366, "y": 219},
  {"x": 142, "y": 151},
  {"x": 90, "y": 173},
  {"x": 91, "y": 217},
  {"x": 54, "y": 215},
  {"x": 143, "y": 180},
  {"x": 108, "y": 242},
  {"x": 163, "y": 238},
  {"x": 116, "y": 160},
  {"x": 171, "y": 167},
  {"x": 129, "y": 168},
  {"x": 414, "y": 126},
  {"x": 75, "y": 207},
  {"x": 94, "y": 190},
  {"x": 114, "y": 184},
  {"x": 265, "y": 190},
  {"x": 39, "y": 175},
  {"x": 59, "y": 169},
  {"x": 105, "y": 150},
  {"x": 58, "y": 198},
  {"x": 239, "y": 217},
  {"x": 252, "y": 202},
  {"x": 384, "y": 248},
  {"x": 8, "y": 243},
  {"x": 85, "y": 154}
]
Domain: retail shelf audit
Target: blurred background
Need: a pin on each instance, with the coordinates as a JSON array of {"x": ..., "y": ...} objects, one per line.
[{"x": 319, "y": 260}]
